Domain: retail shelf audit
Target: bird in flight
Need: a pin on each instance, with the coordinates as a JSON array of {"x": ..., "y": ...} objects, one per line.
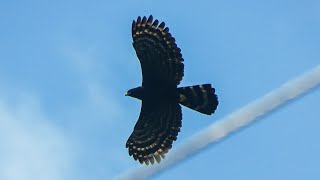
[{"x": 162, "y": 70}]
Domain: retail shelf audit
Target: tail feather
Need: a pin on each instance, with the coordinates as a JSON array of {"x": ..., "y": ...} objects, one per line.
[{"x": 201, "y": 98}]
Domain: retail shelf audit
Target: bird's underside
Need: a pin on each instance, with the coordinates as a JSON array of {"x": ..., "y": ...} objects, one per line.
[{"x": 162, "y": 70}]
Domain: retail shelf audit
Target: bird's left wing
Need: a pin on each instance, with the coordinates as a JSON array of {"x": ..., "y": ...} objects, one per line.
[
  {"x": 160, "y": 58},
  {"x": 157, "y": 127}
]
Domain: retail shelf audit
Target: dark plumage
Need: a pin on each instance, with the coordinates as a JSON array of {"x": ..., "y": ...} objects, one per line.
[{"x": 162, "y": 70}]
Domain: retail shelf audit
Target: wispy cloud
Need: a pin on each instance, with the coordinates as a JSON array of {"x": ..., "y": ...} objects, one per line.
[
  {"x": 32, "y": 147},
  {"x": 100, "y": 113},
  {"x": 101, "y": 97},
  {"x": 60, "y": 143}
]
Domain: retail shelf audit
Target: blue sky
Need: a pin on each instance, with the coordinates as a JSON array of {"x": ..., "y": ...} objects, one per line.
[{"x": 65, "y": 66}]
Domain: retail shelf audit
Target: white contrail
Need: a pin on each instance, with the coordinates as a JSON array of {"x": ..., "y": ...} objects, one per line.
[{"x": 235, "y": 121}]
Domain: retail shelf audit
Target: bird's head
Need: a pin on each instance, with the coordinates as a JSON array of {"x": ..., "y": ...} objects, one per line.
[{"x": 135, "y": 93}]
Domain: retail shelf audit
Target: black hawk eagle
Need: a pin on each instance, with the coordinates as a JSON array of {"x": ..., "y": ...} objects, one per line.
[{"x": 162, "y": 70}]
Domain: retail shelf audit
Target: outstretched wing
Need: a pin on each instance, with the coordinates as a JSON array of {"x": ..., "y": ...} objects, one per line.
[
  {"x": 160, "y": 58},
  {"x": 157, "y": 127}
]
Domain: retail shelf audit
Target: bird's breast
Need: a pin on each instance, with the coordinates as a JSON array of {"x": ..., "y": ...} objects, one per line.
[{"x": 162, "y": 93}]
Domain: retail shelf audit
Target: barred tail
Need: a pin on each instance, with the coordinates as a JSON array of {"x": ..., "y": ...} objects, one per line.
[{"x": 201, "y": 98}]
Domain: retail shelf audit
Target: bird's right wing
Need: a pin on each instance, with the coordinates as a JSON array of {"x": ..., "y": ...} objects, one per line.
[
  {"x": 157, "y": 127},
  {"x": 160, "y": 58}
]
